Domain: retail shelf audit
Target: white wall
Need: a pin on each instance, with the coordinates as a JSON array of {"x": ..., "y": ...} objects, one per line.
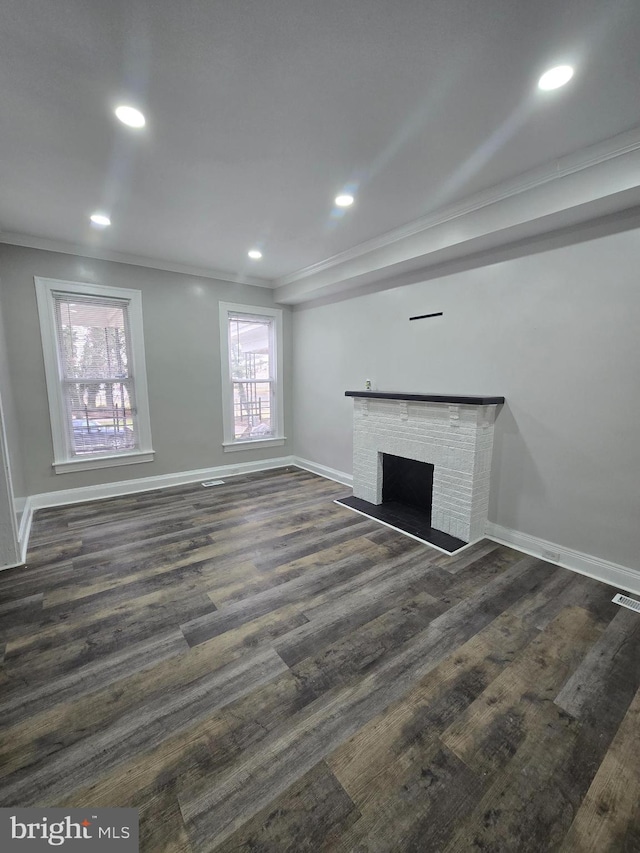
[
  {"x": 556, "y": 333},
  {"x": 182, "y": 343}
]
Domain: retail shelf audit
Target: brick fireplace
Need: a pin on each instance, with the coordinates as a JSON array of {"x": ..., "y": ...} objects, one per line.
[{"x": 454, "y": 434}]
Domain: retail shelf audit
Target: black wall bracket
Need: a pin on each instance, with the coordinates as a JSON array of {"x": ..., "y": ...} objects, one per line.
[{"x": 424, "y": 316}]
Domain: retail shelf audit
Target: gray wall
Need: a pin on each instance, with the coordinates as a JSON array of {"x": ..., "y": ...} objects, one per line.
[
  {"x": 10, "y": 463},
  {"x": 556, "y": 333},
  {"x": 182, "y": 344}
]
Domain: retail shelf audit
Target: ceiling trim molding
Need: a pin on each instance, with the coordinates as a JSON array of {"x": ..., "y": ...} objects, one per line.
[
  {"x": 30, "y": 242},
  {"x": 584, "y": 159}
]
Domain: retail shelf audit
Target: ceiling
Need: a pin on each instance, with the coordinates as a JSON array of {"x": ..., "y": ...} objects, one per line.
[{"x": 260, "y": 111}]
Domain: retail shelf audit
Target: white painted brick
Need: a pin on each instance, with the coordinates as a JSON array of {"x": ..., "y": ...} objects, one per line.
[{"x": 457, "y": 440}]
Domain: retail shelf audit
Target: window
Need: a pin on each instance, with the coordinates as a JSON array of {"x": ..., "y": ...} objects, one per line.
[
  {"x": 251, "y": 343},
  {"x": 95, "y": 370}
]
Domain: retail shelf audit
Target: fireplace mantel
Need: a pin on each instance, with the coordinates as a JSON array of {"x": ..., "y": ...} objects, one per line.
[{"x": 457, "y": 399}]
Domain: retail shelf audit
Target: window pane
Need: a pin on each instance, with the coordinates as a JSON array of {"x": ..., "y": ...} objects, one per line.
[
  {"x": 93, "y": 342},
  {"x": 92, "y": 338},
  {"x": 100, "y": 416},
  {"x": 252, "y": 410},
  {"x": 250, "y": 348}
]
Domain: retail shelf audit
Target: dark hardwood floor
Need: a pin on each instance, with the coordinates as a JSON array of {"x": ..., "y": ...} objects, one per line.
[{"x": 256, "y": 668}]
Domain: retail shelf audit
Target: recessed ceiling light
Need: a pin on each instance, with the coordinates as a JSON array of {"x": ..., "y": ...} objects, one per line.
[
  {"x": 344, "y": 200},
  {"x": 100, "y": 219},
  {"x": 130, "y": 116},
  {"x": 555, "y": 77},
  {"x": 254, "y": 254}
]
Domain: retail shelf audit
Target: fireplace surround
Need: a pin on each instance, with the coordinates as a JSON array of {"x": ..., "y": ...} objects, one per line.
[{"x": 454, "y": 433}]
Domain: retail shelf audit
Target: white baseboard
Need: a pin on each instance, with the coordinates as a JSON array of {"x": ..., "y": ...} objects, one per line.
[
  {"x": 64, "y": 497},
  {"x": 21, "y": 507},
  {"x": 25, "y": 528},
  {"x": 585, "y": 564},
  {"x": 7, "y": 566},
  {"x": 324, "y": 471},
  {"x": 610, "y": 573}
]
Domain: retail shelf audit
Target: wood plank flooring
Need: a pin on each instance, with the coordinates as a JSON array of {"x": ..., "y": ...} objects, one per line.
[{"x": 256, "y": 668}]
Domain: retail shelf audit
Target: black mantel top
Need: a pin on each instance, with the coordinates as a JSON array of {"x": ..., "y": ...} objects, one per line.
[{"x": 428, "y": 398}]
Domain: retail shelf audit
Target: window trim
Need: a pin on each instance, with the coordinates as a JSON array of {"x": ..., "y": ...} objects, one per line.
[
  {"x": 229, "y": 443},
  {"x": 62, "y": 461}
]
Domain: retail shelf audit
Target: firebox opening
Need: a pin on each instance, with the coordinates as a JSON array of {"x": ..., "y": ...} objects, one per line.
[{"x": 408, "y": 483}]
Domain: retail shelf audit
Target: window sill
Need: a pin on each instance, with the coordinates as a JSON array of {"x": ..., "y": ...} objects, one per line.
[
  {"x": 253, "y": 444},
  {"x": 90, "y": 464}
]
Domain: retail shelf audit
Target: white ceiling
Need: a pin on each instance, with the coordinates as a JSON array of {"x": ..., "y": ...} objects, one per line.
[{"x": 260, "y": 111}]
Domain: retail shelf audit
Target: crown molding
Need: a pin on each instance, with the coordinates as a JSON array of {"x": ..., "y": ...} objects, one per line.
[
  {"x": 584, "y": 159},
  {"x": 47, "y": 245}
]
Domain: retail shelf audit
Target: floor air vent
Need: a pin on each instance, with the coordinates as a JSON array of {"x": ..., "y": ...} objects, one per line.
[
  {"x": 631, "y": 603},
  {"x": 208, "y": 483}
]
